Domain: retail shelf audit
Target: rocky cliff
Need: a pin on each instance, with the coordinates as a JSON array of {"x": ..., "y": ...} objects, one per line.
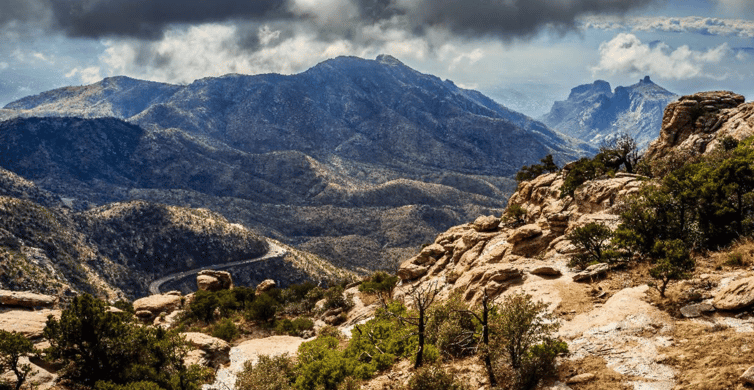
[
  {"x": 620, "y": 332},
  {"x": 595, "y": 113},
  {"x": 695, "y": 123}
]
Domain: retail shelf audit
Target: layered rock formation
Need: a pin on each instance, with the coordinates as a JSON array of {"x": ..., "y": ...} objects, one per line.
[
  {"x": 695, "y": 123},
  {"x": 473, "y": 259}
]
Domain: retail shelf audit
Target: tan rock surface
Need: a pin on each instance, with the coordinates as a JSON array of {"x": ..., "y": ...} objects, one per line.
[
  {"x": 26, "y": 322},
  {"x": 249, "y": 351},
  {"x": 266, "y": 285},
  {"x": 157, "y": 304},
  {"x": 26, "y": 299},
  {"x": 738, "y": 294},
  {"x": 211, "y": 280},
  {"x": 216, "y": 350}
]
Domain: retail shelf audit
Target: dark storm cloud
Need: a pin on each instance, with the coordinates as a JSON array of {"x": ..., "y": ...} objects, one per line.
[
  {"x": 22, "y": 11},
  {"x": 512, "y": 18},
  {"x": 148, "y": 18}
]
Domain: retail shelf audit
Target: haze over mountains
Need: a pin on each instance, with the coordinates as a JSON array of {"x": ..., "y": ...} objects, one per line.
[
  {"x": 360, "y": 161},
  {"x": 594, "y": 112}
]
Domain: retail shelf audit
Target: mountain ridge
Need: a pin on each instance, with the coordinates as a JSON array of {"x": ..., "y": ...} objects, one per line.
[{"x": 595, "y": 113}]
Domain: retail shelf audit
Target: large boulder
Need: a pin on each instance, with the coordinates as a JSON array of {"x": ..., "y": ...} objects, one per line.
[
  {"x": 525, "y": 232},
  {"x": 739, "y": 294},
  {"x": 411, "y": 271},
  {"x": 691, "y": 123},
  {"x": 266, "y": 285},
  {"x": 215, "y": 351},
  {"x": 211, "y": 280},
  {"x": 591, "y": 273},
  {"x": 156, "y": 305},
  {"x": 486, "y": 223},
  {"x": 26, "y": 299}
]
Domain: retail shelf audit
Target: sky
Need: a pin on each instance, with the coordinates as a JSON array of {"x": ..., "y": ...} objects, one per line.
[{"x": 525, "y": 54}]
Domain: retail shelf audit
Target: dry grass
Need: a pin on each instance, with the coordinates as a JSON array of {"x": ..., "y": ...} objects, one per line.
[{"x": 739, "y": 254}]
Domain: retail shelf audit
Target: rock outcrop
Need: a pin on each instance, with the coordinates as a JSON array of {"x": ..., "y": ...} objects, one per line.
[
  {"x": 694, "y": 123},
  {"x": 476, "y": 258},
  {"x": 148, "y": 308},
  {"x": 26, "y": 322},
  {"x": 26, "y": 299},
  {"x": 266, "y": 285},
  {"x": 210, "y": 351},
  {"x": 737, "y": 295},
  {"x": 210, "y": 280}
]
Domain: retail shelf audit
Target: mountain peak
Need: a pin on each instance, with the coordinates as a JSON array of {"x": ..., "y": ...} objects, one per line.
[
  {"x": 388, "y": 60},
  {"x": 645, "y": 80}
]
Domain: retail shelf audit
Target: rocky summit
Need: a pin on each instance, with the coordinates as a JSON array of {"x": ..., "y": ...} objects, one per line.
[
  {"x": 358, "y": 161},
  {"x": 595, "y": 113}
]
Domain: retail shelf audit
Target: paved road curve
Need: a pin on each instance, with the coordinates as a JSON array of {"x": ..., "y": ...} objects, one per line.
[{"x": 274, "y": 251}]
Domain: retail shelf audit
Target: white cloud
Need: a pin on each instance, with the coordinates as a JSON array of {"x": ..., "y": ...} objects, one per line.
[
  {"x": 88, "y": 75},
  {"x": 3, "y": 66},
  {"x": 627, "y": 55},
  {"x": 690, "y": 24}
]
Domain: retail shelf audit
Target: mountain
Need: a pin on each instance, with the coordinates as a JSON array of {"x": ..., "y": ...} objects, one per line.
[
  {"x": 358, "y": 160},
  {"x": 117, "y": 249},
  {"x": 594, "y": 112}
]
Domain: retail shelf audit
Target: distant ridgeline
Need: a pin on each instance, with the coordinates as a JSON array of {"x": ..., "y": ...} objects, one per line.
[{"x": 359, "y": 161}]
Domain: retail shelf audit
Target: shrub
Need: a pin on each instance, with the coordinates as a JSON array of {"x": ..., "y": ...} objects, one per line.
[
  {"x": 296, "y": 327},
  {"x": 433, "y": 377},
  {"x": 380, "y": 283},
  {"x": 530, "y": 172},
  {"x": 269, "y": 373},
  {"x": 322, "y": 364},
  {"x": 452, "y": 328},
  {"x": 521, "y": 331},
  {"x": 262, "y": 309},
  {"x": 225, "y": 329},
  {"x": 97, "y": 345},
  {"x": 514, "y": 215},
  {"x": 583, "y": 170},
  {"x": 593, "y": 240},
  {"x": 13, "y": 347},
  {"x": 335, "y": 298},
  {"x": 674, "y": 263}
]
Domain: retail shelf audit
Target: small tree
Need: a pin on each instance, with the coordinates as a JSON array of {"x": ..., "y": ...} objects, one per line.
[
  {"x": 674, "y": 263},
  {"x": 380, "y": 283},
  {"x": 547, "y": 165},
  {"x": 13, "y": 347},
  {"x": 522, "y": 330},
  {"x": 422, "y": 297},
  {"x": 593, "y": 240},
  {"x": 269, "y": 373},
  {"x": 621, "y": 151},
  {"x": 514, "y": 215}
]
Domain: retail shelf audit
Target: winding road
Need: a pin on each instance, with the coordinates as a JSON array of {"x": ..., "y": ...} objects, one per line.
[{"x": 274, "y": 251}]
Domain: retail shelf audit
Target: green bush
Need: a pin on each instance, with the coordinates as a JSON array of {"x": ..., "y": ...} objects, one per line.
[
  {"x": 452, "y": 328},
  {"x": 522, "y": 340},
  {"x": 380, "y": 283},
  {"x": 14, "y": 346},
  {"x": 96, "y": 345},
  {"x": 593, "y": 242},
  {"x": 225, "y": 329},
  {"x": 673, "y": 263},
  {"x": 335, "y": 298},
  {"x": 514, "y": 215},
  {"x": 530, "y": 172},
  {"x": 297, "y": 327},
  {"x": 433, "y": 377},
  {"x": 262, "y": 309},
  {"x": 323, "y": 365},
  {"x": 269, "y": 373},
  {"x": 583, "y": 170}
]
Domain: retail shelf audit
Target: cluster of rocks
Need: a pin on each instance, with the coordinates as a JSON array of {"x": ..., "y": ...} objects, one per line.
[
  {"x": 489, "y": 256},
  {"x": 694, "y": 122}
]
